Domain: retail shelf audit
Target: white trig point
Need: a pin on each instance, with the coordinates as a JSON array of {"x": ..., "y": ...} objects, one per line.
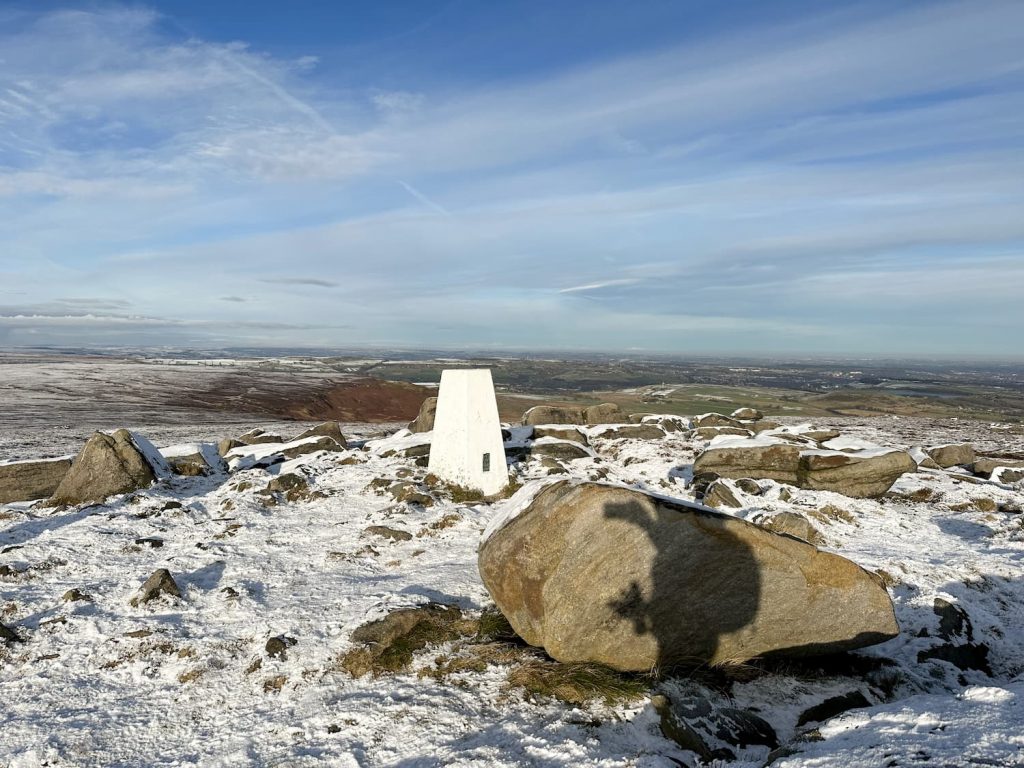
[{"x": 467, "y": 448}]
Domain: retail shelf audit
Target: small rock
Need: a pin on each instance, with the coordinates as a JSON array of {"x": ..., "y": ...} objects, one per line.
[
  {"x": 169, "y": 505},
  {"x": 830, "y": 708},
  {"x": 747, "y": 414},
  {"x": 150, "y": 541},
  {"x": 8, "y": 635},
  {"x": 720, "y": 495},
  {"x": 227, "y": 444},
  {"x": 714, "y": 733},
  {"x": 792, "y": 524},
  {"x": 258, "y": 436},
  {"x": 76, "y": 596},
  {"x": 953, "y": 620},
  {"x": 564, "y": 450},
  {"x": 277, "y": 647},
  {"x": 331, "y": 429},
  {"x": 159, "y": 583},
  {"x": 389, "y": 533},
  {"x": 749, "y": 486}
]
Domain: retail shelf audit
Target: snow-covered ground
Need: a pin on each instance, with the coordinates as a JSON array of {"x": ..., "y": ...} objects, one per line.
[{"x": 100, "y": 683}]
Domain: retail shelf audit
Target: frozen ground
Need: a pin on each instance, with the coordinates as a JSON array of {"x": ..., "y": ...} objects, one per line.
[{"x": 101, "y": 683}]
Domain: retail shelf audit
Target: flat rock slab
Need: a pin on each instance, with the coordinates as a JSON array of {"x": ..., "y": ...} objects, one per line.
[{"x": 600, "y": 573}]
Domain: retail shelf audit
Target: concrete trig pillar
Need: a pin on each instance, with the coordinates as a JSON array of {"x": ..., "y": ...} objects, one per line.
[{"x": 467, "y": 448}]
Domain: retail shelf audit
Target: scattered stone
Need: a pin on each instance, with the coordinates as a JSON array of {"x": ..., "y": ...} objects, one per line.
[
  {"x": 159, "y": 583},
  {"x": 633, "y": 432},
  {"x": 277, "y": 647},
  {"x": 331, "y": 429},
  {"x": 1008, "y": 475},
  {"x": 410, "y": 493},
  {"x": 833, "y": 707},
  {"x": 258, "y": 436},
  {"x": 715, "y": 420},
  {"x": 553, "y": 466},
  {"x": 792, "y": 524},
  {"x": 710, "y": 433},
  {"x": 230, "y": 593},
  {"x": 562, "y": 449},
  {"x": 953, "y": 455},
  {"x": 820, "y": 435},
  {"x": 749, "y": 486},
  {"x": 388, "y": 533},
  {"x": 306, "y": 446},
  {"x": 561, "y": 433},
  {"x": 275, "y": 684},
  {"x": 31, "y": 480},
  {"x": 719, "y": 495},
  {"x": 192, "y": 465},
  {"x": 106, "y": 466},
  {"x": 747, "y": 414},
  {"x": 76, "y": 596},
  {"x": 169, "y": 505},
  {"x": 150, "y": 541},
  {"x": 424, "y": 421},
  {"x": 714, "y": 733},
  {"x": 595, "y": 573},
  {"x": 8, "y": 635},
  {"x": 227, "y": 444}
]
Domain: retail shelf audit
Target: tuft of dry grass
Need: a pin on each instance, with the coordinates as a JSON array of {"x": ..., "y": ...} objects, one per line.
[{"x": 578, "y": 683}]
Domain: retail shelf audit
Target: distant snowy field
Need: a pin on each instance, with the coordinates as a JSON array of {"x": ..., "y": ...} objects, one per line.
[{"x": 102, "y": 683}]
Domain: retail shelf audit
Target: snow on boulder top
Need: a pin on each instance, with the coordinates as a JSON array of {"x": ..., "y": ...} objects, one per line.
[
  {"x": 865, "y": 453},
  {"x": 399, "y": 441},
  {"x": 149, "y": 452},
  {"x": 762, "y": 440},
  {"x": 9, "y": 462},
  {"x": 516, "y": 504},
  {"x": 843, "y": 443}
]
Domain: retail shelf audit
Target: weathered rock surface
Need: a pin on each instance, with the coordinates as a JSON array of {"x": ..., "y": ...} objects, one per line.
[
  {"x": 107, "y": 465},
  {"x": 561, "y": 433},
  {"x": 159, "y": 583},
  {"x": 632, "y": 432},
  {"x": 225, "y": 445},
  {"x": 859, "y": 475},
  {"x": 301, "y": 447},
  {"x": 257, "y": 436},
  {"x": 694, "y": 723},
  {"x": 709, "y": 433},
  {"x": 766, "y": 461},
  {"x": 854, "y": 475},
  {"x": 792, "y": 524},
  {"x": 605, "y": 413},
  {"x": 747, "y": 414},
  {"x": 30, "y": 480},
  {"x": 331, "y": 429},
  {"x": 986, "y": 465},
  {"x": 719, "y": 495},
  {"x": 952, "y": 455},
  {"x": 424, "y": 421},
  {"x": 605, "y": 574},
  {"x": 559, "y": 449},
  {"x": 715, "y": 420}
]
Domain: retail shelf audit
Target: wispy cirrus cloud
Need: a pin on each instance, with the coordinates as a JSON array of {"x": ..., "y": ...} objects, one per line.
[{"x": 740, "y": 178}]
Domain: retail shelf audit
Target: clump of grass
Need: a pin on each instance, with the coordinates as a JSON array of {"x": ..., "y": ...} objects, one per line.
[
  {"x": 460, "y": 494},
  {"x": 984, "y": 504},
  {"x": 494, "y": 626},
  {"x": 832, "y": 512},
  {"x": 578, "y": 683}
]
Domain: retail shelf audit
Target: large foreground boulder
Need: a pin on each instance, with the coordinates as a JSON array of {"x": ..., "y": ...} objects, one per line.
[
  {"x": 30, "y": 480},
  {"x": 424, "y": 421},
  {"x": 858, "y": 474},
  {"x": 599, "y": 573},
  {"x": 107, "y": 465}
]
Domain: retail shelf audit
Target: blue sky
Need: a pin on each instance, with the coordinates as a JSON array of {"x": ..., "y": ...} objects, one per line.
[{"x": 685, "y": 177}]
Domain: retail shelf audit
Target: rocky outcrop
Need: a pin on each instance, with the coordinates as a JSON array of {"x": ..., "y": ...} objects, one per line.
[
  {"x": 561, "y": 433},
  {"x": 159, "y": 583},
  {"x": 859, "y": 474},
  {"x": 715, "y": 420},
  {"x": 331, "y": 429},
  {"x": 559, "y": 449},
  {"x": 960, "y": 454},
  {"x": 747, "y": 414},
  {"x": 605, "y": 413},
  {"x": 632, "y": 432},
  {"x": 424, "y": 421},
  {"x": 606, "y": 574},
  {"x": 30, "y": 480},
  {"x": 257, "y": 436},
  {"x": 107, "y": 465}
]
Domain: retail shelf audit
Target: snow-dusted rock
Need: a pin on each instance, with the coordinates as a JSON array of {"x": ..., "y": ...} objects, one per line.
[
  {"x": 561, "y": 432},
  {"x": 30, "y": 480},
  {"x": 606, "y": 574},
  {"x": 952, "y": 455},
  {"x": 331, "y": 429},
  {"x": 108, "y": 465},
  {"x": 747, "y": 414},
  {"x": 424, "y": 421},
  {"x": 632, "y": 432}
]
